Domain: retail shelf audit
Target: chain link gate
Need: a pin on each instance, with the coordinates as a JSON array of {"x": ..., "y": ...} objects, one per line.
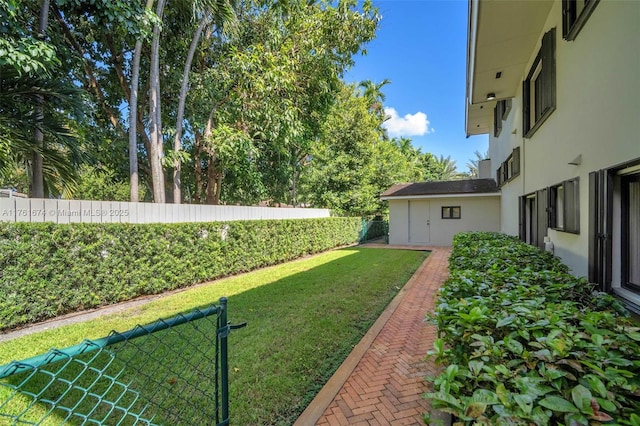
[
  {"x": 171, "y": 372},
  {"x": 373, "y": 229}
]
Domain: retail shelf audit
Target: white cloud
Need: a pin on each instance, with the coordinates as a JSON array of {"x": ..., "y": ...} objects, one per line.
[{"x": 409, "y": 125}]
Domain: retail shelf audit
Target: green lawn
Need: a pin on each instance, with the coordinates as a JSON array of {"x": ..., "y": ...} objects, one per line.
[{"x": 304, "y": 317}]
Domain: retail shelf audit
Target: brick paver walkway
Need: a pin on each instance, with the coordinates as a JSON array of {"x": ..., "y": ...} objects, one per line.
[{"x": 387, "y": 383}]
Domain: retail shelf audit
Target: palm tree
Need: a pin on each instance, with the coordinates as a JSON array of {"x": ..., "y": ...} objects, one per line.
[
  {"x": 473, "y": 164},
  {"x": 447, "y": 169},
  {"x": 372, "y": 92},
  {"x": 59, "y": 103}
]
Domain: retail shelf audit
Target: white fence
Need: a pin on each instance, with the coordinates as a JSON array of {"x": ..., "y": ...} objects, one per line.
[{"x": 72, "y": 211}]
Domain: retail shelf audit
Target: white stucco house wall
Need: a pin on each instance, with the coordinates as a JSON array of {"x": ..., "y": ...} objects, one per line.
[
  {"x": 431, "y": 213},
  {"x": 556, "y": 86}
]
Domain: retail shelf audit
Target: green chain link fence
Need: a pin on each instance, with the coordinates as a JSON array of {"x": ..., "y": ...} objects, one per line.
[
  {"x": 170, "y": 372},
  {"x": 374, "y": 229}
]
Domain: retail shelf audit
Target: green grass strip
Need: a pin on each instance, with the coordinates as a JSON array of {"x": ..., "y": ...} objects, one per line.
[{"x": 304, "y": 318}]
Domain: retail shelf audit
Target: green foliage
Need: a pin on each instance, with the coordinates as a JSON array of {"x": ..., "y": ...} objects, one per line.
[
  {"x": 19, "y": 48},
  {"x": 526, "y": 343},
  {"x": 271, "y": 88},
  {"x": 62, "y": 104},
  {"x": 47, "y": 270},
  {"x": 353, "y": 162},
  {"x": 100, "y": 183}
]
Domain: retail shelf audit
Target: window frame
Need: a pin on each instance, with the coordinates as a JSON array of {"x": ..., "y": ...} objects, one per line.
[
  {"x": 497, "y": 121},
  {"x": 509, "y": 169},
  {"x": 570, "y": 208},
  {"x": 533, "y": 217},
  {"x": 624, "y": 233},
  {"x": 572, "y": 22},
  {"x": 542, "y": 101},
  {"x": 606, "y": 235},
  {"x": 500, "y": 114},
  {"x": 451, "y": 214}
]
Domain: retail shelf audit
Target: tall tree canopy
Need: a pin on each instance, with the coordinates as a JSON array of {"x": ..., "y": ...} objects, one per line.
[
  {"x": 206, "y": 101},
  {"x": 353, "y": 161}
]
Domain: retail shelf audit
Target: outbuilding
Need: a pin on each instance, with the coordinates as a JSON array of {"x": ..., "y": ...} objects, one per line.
[{"x": 431, "y": 213}]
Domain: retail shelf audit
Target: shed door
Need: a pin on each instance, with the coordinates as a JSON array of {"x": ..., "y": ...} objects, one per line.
[{"x": 419, "y": 222}]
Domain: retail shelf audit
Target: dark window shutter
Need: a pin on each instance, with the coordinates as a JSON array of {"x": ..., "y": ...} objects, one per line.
[
  {"x": 548, "y": 73},
  {"x": 553, "y": 207},
  {"x": 593, "y": 228},
  {"x": 516, "y": 161},
  {"x": 526, "y": 107},
  {"x": 600, "y": 227},
  {"x": 568, "y": 16},
  {"x": 541, "y": 201},
  {"x": 572, "y": 206},
  {"x": 522, "y": 216}
]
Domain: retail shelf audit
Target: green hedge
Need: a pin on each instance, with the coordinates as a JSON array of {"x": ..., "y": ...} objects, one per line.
[
  {"x": 47, "y": 270},
  {"x": 524, "y": 342}
]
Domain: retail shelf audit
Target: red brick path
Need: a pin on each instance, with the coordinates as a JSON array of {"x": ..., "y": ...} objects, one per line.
[{"x": 387, "y": 384}]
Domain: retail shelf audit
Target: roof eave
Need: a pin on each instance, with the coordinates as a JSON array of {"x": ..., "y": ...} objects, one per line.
[
  {"x": 502, "y": 36},
  {"x": 451, "y": 195}
]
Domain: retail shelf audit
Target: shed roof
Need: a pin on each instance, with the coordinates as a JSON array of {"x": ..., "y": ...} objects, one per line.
[{"x": 449, "y": 187}]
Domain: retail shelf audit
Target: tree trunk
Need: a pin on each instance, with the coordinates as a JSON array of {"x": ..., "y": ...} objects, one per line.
[
  {"x": 198, "y": 167},
  {"x": 214, "y": 179},
  {"x": 134, "y": 178},
  {"x": 177, "y": 141},
  {"x": 216, "y": 197},
  {"x": 211, "y": 182},
  {"x": 155, "y": 113},
  {"x": 37, "y": 175}
]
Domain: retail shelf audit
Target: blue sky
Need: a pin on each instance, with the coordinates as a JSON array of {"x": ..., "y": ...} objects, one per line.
[{"x": 421, "y": 47}]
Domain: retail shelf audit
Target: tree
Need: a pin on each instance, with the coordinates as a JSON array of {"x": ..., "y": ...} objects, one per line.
[
  {"x": 222, "y": 14},
  {"x": 37, "y": 102},
  {"x": 37, "y": 174},
  {"x": 372, "y": 92},
  {"x": 97, "y": 182},
  {"x": 446, "y": 167},
  {"x": 59, "y": 103},
  {"x": 271, "y": 87},
  {"x": 133, "y": 116},
  {"x": 473, "y": 164},
  {"x": 352, "y": 162},
  {"x": 248, "y": 106}
]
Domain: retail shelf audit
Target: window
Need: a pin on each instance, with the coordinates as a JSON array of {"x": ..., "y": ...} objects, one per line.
[
  {"x": 500, "y": 113},
  {"x": 497, "y": 121},
  {"x": 614, "y": 231},
  {"x": 509, "y": 169},
  {"x": 630, "y": 232},
  {"x": 516, "y": 161},
  {"x": 533, "y": 218},
  {"x": 574, "y": 15},
  {"x": 451, "y": 212},
  {"x": 505, "y": 171},
  {"x": 505, "y": 107},
  {"x": 539, "y": 89},
  {"x": 564, "y": 206}
]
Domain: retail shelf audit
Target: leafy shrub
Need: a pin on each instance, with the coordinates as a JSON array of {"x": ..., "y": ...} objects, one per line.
[
  {"x": 524, "y": 342},
  {"x": 48, "y": 270}
]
